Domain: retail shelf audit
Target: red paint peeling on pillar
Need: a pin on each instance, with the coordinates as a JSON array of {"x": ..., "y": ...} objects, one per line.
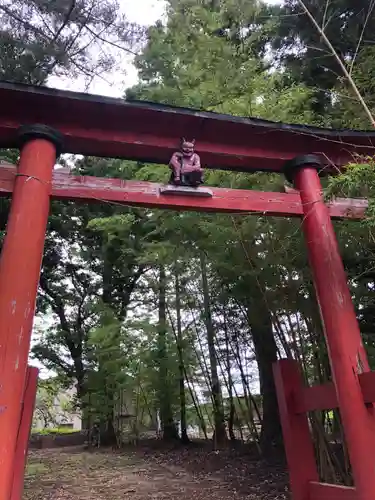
[
  {"x": 347, "y": 354},
  {"x": 20, "y": 264}
]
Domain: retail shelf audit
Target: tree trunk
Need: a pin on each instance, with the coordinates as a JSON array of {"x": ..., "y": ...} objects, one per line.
[
  {"x": 181, "y": 366},
  {"x": 232, "y": 410},
  {"x": 220, "y": 435},
  {"x": 108, "y": 435},
  {"x": 248, "y": 398},
  {"x": 259, "y": 319},
  {"x": 169, "y": 428},
  {"x": 107, "y": 429},
  {"x": 197, "y": 408}
]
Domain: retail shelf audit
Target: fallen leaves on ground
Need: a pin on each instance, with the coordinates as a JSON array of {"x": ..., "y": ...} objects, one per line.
[{"x": 154, "y": 472}]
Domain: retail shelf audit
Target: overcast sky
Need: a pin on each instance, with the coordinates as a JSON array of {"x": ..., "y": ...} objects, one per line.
[{"x": 145, "y": 12}]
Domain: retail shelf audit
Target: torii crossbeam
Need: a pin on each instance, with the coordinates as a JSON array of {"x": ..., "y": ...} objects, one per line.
[
  {"x": 90, "y": 125},
  {"x": 148, "y": 194}
]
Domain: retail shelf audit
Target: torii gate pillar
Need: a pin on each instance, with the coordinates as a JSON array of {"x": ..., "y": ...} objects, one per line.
[
  {"x": 346, "y": 352},
  {"x": 20, "y": 264}
]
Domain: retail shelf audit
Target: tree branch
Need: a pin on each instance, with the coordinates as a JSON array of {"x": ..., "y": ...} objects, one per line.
[
  {"x": 339, "y": 61},
  {"x": 66, "y": 20},
  {"x": 369, "y": 12},
  {"x": 97, "y": 35}
]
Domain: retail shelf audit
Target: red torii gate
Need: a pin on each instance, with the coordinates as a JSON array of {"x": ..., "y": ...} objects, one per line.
[{"x": 90, "y": 125}]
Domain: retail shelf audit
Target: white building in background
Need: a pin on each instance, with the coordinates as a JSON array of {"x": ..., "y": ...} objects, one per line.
[{"x": 58, "y": 415}]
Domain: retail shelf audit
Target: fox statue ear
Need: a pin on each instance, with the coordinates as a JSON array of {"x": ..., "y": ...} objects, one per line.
[
  {"x": 193, "y": 142},
  {"x": 183, "y": 140}
]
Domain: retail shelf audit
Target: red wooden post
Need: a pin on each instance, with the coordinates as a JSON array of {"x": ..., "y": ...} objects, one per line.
[
  {"x": 323, "y": 491},
  {"x": 24, "y": 432},
  {"x": 298, "y": 442},
  {"x": 20, "y": 264},
  {"x": 346, "y": 352}
]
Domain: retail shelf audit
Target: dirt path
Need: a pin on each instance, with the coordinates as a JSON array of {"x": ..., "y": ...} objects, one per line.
[{"x": 74, "y": 474}]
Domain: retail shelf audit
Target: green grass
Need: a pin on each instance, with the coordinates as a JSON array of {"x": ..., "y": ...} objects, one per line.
[
  {"x": 35, "y": 469},
  {"x": 57, "y": 430}
]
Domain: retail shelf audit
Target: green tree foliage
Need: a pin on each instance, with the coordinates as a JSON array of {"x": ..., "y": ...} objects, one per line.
[
  {"x": 91, "y": 261},
  {"x": 301, "y": 50},
  {"x": 347, "y": 111}
]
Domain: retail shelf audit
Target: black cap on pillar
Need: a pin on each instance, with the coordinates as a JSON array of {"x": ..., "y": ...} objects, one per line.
[
  {"x": 304, "y": 161},
  {"x": 27, "y": 133}
]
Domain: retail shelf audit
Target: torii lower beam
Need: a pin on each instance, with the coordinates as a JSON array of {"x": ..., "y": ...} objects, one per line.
[{"x": 147, "y": 194}]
